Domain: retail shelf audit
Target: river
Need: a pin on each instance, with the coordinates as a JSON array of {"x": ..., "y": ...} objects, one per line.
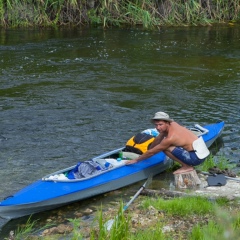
[{"x": 70, "y": 94}]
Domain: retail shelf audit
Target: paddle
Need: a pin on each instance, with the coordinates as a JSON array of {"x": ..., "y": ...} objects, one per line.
[{"x": 110, "y": 222}]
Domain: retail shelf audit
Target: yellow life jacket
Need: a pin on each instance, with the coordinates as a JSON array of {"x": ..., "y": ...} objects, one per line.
[{"x": 139, "y": 143}]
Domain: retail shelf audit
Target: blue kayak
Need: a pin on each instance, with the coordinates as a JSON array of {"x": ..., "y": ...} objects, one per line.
[{"x": 57, "y": 189}]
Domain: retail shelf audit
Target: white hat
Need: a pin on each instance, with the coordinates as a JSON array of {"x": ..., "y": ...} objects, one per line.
[{"x": 161, "y": 116}]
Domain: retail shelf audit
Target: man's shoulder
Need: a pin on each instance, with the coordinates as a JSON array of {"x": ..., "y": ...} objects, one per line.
[{"x": 175, "y": 124}]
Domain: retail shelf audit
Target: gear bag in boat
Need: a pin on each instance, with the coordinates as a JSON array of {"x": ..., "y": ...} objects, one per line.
[
  {"x": 87, "y": 168},
  {"x": 139, "y": 143}
]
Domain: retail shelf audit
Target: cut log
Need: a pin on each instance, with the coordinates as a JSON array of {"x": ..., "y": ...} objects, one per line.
[
  {"x": 164, "y": 193},
  {"x": 187, "y": 180}
]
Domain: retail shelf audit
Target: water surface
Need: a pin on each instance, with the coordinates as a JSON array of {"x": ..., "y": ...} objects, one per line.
[{"x": 69, "y": 95}]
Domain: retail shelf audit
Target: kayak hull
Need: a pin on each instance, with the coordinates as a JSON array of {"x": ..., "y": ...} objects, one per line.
[
  {"x": 48, "y": 194},
  {"x": 71, "y": 192}
]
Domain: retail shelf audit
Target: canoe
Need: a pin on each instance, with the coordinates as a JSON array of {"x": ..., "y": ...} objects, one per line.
[{"x": 56, "y": 189}]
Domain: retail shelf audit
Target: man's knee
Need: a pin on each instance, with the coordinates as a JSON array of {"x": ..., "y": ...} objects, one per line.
[{"x": 170, "y": 149}]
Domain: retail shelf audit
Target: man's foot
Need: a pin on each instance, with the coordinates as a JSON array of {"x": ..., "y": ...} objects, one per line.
[{"x": 183, "y": 170}]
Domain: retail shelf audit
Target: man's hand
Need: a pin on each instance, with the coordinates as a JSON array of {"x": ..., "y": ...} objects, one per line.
[{"x": 131, "y": 162}]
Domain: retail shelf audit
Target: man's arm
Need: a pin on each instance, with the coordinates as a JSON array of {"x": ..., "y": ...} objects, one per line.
[
  {"x": 165, "y": 143},
  {"x": 157, "y": 140}
]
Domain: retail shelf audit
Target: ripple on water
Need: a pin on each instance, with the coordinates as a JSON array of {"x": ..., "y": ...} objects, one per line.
[{"x": 71, "y": 96}]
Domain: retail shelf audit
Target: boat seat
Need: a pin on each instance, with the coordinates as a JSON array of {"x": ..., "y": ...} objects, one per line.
[
  {"x": 196, "y": 132},
  {"x": 199, "y": 130},
  {"x": 130, "y": 155}
]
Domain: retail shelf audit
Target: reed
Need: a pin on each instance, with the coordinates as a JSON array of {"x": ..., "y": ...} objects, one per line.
[
  {"x": 226, "y": 10},
  {"x": 147, "y": 13},
  {"x": 2, "y": 13},
  {"x": 184, "y": 13},
  {"x": 141, "y": 14}
]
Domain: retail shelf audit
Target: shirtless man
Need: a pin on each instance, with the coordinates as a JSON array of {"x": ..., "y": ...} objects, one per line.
[{"x": 175, "y": 140}]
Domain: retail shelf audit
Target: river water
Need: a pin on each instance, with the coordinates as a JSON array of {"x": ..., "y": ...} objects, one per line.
[{"x": 71, "y": 94}]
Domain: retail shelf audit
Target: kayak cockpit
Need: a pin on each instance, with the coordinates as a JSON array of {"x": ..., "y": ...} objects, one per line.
[{"x": 91, "y": 168}]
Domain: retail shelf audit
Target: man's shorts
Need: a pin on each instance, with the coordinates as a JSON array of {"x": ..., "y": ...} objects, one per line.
[{"x": 187, "y": 157}]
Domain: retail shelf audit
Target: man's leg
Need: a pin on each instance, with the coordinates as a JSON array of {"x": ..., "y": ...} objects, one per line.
[{"x": 184, "y": 168}]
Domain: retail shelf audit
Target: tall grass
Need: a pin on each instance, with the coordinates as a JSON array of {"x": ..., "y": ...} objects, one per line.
[
  {"x": 2, "y": 11},
  {"x": 118, "y": 231},
  {"x": 184, "y": 13},
  {"x": 148, "y": 13}
]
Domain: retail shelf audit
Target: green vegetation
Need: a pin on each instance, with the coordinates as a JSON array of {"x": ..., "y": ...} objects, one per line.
[
  {"x": 147, "y": 13},
  {"x": 76, "y": 234},
  {"x": 118, "y": 231},
  {"x": 196, "y": 205},
  {"x": 209, "y": 163},
  {"x": 189, "y": 218},
  {"x": 153, "y": 233},
  {"x": 191, "y": 210},
  {"x": 24, "y": 232},
  {"x": 221, "y": 162},
  {"x": 223, "y": 227},
  {"x": 196, "y": 218}
]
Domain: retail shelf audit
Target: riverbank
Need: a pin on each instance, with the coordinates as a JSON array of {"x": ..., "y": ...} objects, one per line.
[
  {"x": 144, "y": 214},
  {"x": 149, "y": 14}
]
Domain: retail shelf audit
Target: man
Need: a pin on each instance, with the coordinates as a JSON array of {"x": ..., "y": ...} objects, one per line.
[{"x": 177, "y": 142}]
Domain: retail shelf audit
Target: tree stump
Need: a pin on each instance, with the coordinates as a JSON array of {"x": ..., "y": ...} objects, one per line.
[{"x": 187, "y": 179}]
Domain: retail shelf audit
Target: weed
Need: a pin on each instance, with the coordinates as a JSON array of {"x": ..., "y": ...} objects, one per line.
[
  {"x": 119, "y": 229},
  {"x": 76, "y": 235},
  {"x": 25, "y": 231},
  {"x": 221, "y": 162}
]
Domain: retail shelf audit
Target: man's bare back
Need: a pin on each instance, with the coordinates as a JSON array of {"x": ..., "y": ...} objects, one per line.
[{"x": 180, "y": 136}]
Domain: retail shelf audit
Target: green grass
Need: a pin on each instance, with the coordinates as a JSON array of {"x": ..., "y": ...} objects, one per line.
[
  {"x": 154, "y": 232},
  {"x": 29, "y": 229},
  {"x": 222, "y": 227},
  {"x": 206, "y": 220},
  {"x": 209, "y": 231},
  {"x": 181, "y": 206},
  {"x": 118, "y": 231},
  {"x": 221, "y": 162},
  {"x": 76, "y": 234}
]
